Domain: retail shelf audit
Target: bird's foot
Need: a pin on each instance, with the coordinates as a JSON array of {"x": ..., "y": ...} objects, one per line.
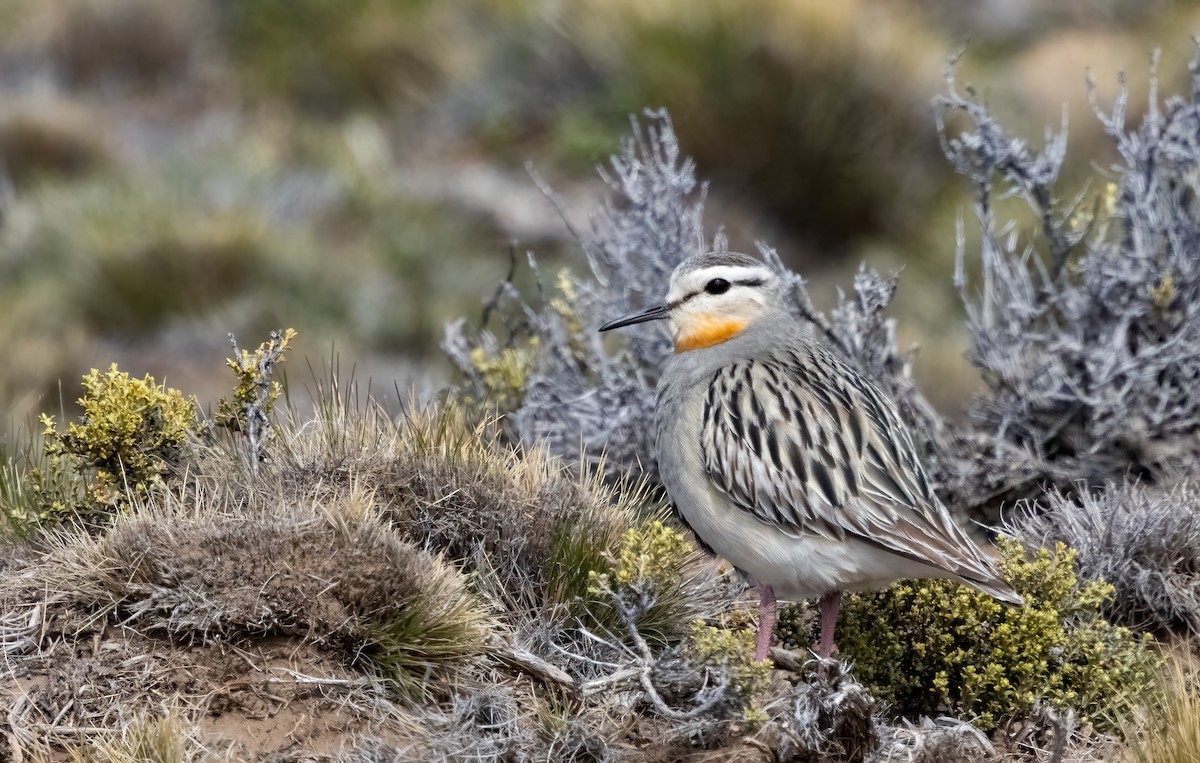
[{"x": 767, "y": 609}]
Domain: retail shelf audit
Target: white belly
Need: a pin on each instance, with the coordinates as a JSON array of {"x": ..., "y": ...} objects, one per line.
[{"x": 796, "y": 567}]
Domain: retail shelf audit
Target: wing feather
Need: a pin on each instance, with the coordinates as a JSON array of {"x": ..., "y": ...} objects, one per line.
[{"x": 805, "y": 443}]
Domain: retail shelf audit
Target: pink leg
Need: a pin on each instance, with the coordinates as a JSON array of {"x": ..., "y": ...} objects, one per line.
[
  {"x": 829, "y": 605},
  {"x": 766, "y": 622}
]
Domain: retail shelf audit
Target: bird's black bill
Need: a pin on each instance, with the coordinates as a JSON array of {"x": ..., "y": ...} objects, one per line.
[{"x": 656, "y": 313}]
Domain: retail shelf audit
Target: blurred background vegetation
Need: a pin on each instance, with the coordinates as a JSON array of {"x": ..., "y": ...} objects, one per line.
[{"x": 173, "y": 171}]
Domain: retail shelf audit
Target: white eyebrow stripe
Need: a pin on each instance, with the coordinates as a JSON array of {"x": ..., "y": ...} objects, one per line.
[{"x": 731, "y": 273}]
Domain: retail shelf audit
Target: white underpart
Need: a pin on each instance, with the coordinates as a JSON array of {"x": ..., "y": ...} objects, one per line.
[{"x": 802, "y": 567}]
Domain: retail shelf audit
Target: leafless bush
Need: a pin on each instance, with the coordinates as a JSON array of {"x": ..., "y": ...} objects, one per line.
[
  {"x": 944, "y": 740},
  {"x": 1145, "y": 542},
  {"x": 1088, "y": 330},
  {"x": 581, "y": 398}
]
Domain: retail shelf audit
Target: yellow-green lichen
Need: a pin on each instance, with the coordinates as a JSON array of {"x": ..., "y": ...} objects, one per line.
[
  {"x": 1163, "y": 293},
  {"x": 505, "y": 373}
]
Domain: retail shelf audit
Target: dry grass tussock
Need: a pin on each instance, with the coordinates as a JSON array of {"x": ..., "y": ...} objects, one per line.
[
  {"x": 233, "y": 607},
  {"x": 1173, "y": 734},
  {"x": 530, "y": 528}
]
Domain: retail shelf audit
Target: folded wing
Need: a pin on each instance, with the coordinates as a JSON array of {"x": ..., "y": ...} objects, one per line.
[{"x": 804, "y": 442}]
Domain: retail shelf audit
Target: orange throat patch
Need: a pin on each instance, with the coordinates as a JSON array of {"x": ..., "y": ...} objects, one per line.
[{"x": 707, "y": 331}]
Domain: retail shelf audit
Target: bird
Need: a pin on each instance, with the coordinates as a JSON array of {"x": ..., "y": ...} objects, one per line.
[{"x": 785, "y": 460}]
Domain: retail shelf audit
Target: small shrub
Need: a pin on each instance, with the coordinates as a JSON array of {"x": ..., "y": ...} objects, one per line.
[
  {"x": 50, "y": 142},
  {"x": 936, "y": 647},
  {"x": 786, "y": 83},
  {"x": 129, "y": 434},
  {"x": 650, "y": 561},
  {"x": 127, "y": 42},
  {"x": 644, "y": 580},
  {"x": 716, "y": 676},
  {"x": 504, "y": 373},
  {"x": 36, "y": 488},
  {"x": 130, "y": 254},
  {"x": 729, "y": 656},
  {"x": 501, "y": 374},
  {"x": 254, "y": 397}
]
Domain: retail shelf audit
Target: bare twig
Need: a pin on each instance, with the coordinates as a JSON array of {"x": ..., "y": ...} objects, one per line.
[{"x": 534, "y": 666}]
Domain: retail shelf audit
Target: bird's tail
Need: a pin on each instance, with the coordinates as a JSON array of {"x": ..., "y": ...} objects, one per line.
[{"x": 997, "y": 588}]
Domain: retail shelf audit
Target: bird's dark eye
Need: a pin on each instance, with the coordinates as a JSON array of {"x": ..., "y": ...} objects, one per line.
[{"x": 717, "y": 286}]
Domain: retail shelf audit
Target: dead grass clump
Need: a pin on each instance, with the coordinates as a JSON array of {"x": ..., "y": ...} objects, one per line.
[
  {"x": 533, "y": 528},
  {"x": 504, "y": 722},
  {"x": 357, "y": 590},
  {"x": 50, "y": 142},
  {"x": 492, "y": 724},
  {"x": 534, "y": 534},
  {"x": 1173, "y": 734},
  {"x": 168, "y": 738},
  {"x": 499, "y": 723},
  {"x": 81, "y": 697},
  {"x": 539, "y": 532},
  {"x": 131, "y": 42},
  {"x": 945, "y": 740},
  {"x": 812, "y": 720}
]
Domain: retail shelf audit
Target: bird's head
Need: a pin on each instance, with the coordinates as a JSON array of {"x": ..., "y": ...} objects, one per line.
[{"x": 713, "y": 297}]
